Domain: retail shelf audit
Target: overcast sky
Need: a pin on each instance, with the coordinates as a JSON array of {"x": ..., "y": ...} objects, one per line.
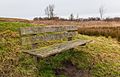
[{"x": 63, "y": 8}]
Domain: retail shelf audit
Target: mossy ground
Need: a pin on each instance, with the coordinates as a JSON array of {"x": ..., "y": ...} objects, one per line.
[{"x": 101, "y": 57}]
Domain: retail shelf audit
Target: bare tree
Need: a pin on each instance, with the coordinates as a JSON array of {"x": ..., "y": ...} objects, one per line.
[
  {"x": 71, "y": 17},
  {"x": 77, "y": 17},
  {"x": 49, "y": 11},
  {"x": 101, "y": 12}
]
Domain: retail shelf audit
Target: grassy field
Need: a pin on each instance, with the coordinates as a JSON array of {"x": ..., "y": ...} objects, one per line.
[
  {"x": 91, "y": 28},
  {"x": 113, "y": 32},
  {"x": 13, "y": 20},
  {"x": 107, "y": 29},
  {"x": 101, "y": 58},
  {"x": 79, "y": 23}
]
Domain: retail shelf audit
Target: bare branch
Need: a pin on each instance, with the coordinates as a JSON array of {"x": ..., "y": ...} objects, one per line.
[
  {"x": 101, "y": 12},
  {"x": 49, "y": 11}
]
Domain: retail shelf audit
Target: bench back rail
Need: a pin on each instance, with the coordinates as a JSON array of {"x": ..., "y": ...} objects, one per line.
[
  {"x": 43, "y": 29},
  {"x": 34, "y": 35}
]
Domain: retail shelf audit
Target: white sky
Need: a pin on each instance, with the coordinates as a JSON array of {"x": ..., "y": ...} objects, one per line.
[{"x": 63, "y": 8}]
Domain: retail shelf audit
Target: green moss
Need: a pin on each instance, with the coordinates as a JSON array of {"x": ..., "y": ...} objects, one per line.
[{"x": 13, "y": 26}]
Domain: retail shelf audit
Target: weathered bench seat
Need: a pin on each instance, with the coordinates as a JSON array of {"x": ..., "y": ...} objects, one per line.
[
  {"x": 54, "y": 49},
  {"x": 30, "y": 36}
]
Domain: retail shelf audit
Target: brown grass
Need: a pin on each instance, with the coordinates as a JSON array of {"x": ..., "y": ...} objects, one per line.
[
  {"x": 113, "y": 32},
  {"x": 78, "y": 23},
  {"x": 14, "y": 20}
]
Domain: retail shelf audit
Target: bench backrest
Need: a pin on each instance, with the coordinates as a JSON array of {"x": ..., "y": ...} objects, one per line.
[{"x": 33, "y": 35}]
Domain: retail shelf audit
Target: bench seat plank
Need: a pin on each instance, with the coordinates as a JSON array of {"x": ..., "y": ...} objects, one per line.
[{"x": 57, "y": 48}]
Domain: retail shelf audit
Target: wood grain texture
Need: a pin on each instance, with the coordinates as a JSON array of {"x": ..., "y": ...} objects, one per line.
[
  {"x": 55, "y": 49},
  {"x": 43, "y": 29},
  {"x": 47, "y": 37}
]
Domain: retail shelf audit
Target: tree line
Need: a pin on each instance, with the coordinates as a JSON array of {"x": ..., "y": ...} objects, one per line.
[{"x": 50, "y": 15}]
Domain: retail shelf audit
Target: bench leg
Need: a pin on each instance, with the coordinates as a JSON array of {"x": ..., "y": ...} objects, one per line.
[
  {"x": 71, "y": 49},
  {"x": 37, "y": 59}
]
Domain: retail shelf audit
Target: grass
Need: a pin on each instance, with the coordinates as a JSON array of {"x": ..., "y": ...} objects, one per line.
[
  {"x": 13, "y": 20},
  {"x": 101, "y": 57},
  {"x": 113, "y": 32},
  {"x": 106, "y": 56},
  {"x": 13, "y": 26}
]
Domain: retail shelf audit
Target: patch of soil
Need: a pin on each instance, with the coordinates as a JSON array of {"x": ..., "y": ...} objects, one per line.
[{"x": 70, "y": 70}]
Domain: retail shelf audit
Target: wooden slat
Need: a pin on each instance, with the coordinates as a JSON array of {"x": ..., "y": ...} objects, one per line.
[
  {"x": 54, "y": 49},
  {"x": 43, "y": 29},
  {"x": 47, "y": 37}
]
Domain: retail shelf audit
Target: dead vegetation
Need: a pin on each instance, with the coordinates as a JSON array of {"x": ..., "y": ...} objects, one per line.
[
  {"x": 14, "y": 20},
  {"x": 113, "y": 32}
]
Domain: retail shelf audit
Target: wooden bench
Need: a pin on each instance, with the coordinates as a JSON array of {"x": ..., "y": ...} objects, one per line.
[{"x": 32, "y": 36}]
